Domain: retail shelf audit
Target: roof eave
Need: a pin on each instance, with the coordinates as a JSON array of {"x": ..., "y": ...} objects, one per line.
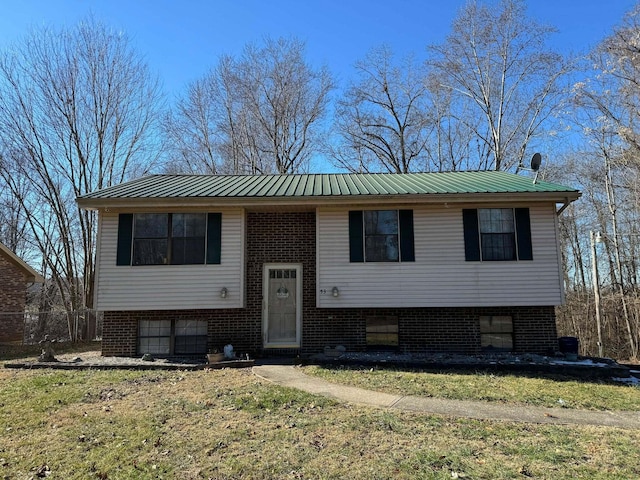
[{"x": 247, "y": 202}]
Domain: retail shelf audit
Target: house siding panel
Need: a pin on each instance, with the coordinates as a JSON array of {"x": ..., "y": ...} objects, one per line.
[
  {"x": 440, "y": 275},
  {"x": 167, "y": 287}
]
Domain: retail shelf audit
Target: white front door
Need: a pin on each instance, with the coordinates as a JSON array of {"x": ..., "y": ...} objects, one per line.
[{"x": 282, "y": 305}]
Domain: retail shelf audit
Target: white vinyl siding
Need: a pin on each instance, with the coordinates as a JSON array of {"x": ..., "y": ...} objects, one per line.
[
  {"x": 169, "y": 287},
  {"x": 440, "y": 276}
]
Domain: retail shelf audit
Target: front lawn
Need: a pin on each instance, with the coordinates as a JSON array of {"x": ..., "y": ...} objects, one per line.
[
  {"x": 549, "y": 391},
  {"x": 228, "y": 424}
]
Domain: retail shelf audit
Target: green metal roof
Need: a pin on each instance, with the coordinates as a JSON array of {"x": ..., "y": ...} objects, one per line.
[{"x": 322, "y": 186}]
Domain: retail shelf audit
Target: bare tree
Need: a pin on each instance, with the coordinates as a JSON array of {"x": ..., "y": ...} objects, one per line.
[
  {"x": 192, "y": 131},
  {"x": 383, "y": 121},
  {"x": 239, "y": 148},
  {"x": 286, "y": 99},
  {"x": 13, "y": 227},
  {"x": 259, "y": 113},
  {"x": 608, "y": 102},
  {"x": 453, "y": 143},
  {"x": 617, "y": 59},
  {"x": 496, "y": 61},
  {"x": 77, "y": 113}
]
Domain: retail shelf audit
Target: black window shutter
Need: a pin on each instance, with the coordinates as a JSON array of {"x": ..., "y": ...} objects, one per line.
[
  {"x": 356, "y": 236},
  {"x": 407, "y": 252},
  {"x": 125, "y": 232},
  {"x": 214, "y": 238},
  {"x": 523, "y": 232},
  {"x": 471, "y": 234}
]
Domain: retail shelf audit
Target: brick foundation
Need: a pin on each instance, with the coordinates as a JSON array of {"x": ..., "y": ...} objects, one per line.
[
  {"x": 421, "y": 330},
  {"x": 13, "y": 292},
  {"x": 279, "y": 237}
]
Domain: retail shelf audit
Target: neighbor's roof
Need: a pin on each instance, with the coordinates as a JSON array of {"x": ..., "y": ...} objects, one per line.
[
  {"x": 322, "y": 187},
  {"x": 29, "y": 273}
]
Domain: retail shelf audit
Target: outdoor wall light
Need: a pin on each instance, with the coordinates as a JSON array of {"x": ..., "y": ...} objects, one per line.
[
  {"x": 223, "y": 292},
  {"x": 335, "y": 292}
]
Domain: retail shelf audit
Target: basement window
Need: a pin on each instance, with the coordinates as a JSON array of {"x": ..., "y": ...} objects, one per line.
[
  {"x": 496, "y": 333},
  {"x": 154, "y": 336},
  {"x": 382, "y": 331},
  {"x": 172, "y": 337},
  {"x": 190, "y": 337}
]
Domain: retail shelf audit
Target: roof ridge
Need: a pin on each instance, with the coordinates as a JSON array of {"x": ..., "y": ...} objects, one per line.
[{"x": 455, "y": 172}]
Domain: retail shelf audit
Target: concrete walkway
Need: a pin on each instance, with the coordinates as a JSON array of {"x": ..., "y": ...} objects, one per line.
[{"x": 291, "y": 376}]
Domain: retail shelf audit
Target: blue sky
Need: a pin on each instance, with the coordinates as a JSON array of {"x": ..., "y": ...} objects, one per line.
[{"x": 181, "y": 40}]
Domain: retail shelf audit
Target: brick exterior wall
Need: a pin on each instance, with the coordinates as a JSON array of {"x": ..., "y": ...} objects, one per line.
[
  {"x": 13, "y": 294},
  {"x": 281, "y": 237}
]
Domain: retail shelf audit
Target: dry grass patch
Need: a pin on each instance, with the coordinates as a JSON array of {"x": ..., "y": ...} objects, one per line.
[
  {"x": 551, "y": 391},
  {"x": 230, "y": 424}
]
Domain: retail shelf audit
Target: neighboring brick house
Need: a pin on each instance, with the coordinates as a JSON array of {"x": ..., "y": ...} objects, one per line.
[
  {"x": 433, "y": 262},
  {"x": 15, "y": 275}
]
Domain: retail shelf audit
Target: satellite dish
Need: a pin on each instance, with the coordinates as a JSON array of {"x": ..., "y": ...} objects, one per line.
[{"x": 536, "y": 160}]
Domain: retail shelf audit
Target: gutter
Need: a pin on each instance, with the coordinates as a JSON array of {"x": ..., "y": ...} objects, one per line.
[{"x": 119, "y": 204}]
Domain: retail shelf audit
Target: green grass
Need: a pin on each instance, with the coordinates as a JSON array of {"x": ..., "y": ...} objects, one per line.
[
  {"x": 229, "y": 424},
  {"x": 516, "y": 389}
]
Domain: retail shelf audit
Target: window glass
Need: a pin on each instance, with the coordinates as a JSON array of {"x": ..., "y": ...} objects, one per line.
[
  {"x": 155, "y": 328},
  {"x": 497, "y": 233},
  {"x": 191, "y": 327},
  {"x": 151, "y": 225},
  {"x": 187, "y": 251},
  {"x": 150, "y": 238},
  {"x": 382, "y": 331},
  {"x": 496, "y": 333},
  {"x": 189, "y": 224},
  {"x": 155, "y": 345},
  {"x": 188, "y": 238},
  {"x": 496, "y": 220},
  {"x": 148, "y": 251},
  {"x": 191, "y": 337},
  {"x": 154, "y": 336},
  {"x": 163, "y": 238},
  {"x": 381, "y": 235},
  {"x": 191, "y": 345}
]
